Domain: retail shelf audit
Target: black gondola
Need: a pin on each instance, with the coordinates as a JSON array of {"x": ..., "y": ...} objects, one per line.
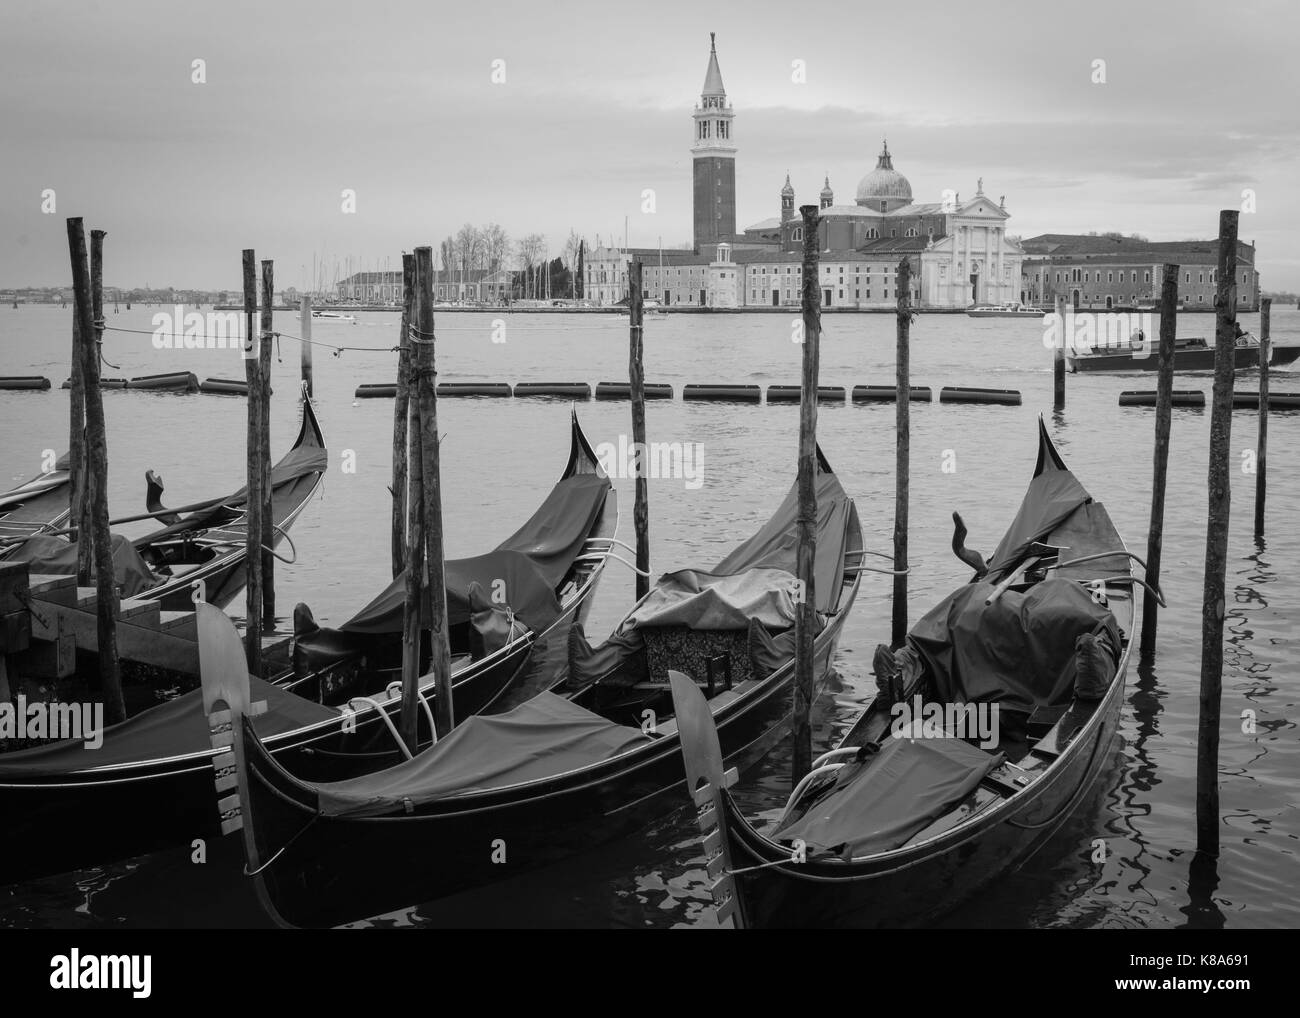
[
  {"x": 196, "y": 553},
  {"x": 511, "y": 792},
  {"x": 904, "y": 821},
  {"x": 148, "y": 785}
]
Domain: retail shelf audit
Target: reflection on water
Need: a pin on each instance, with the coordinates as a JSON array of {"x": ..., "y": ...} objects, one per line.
[{"x": 499, "y": 457}]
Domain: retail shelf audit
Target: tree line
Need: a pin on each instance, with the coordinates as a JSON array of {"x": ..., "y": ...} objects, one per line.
[{"x": 526, "y": 263}]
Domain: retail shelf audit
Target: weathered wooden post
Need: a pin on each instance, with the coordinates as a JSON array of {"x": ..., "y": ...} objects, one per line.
[
  {"x": 806, "y": 606},
  {"x": 253, "y": 507},
  {"x": 264, "y": 444},
  {"x": 1261, "y": 452},
  {"x": 1058, "y": 358},
  {"x": 636, "y": 378},
  {"x": 304, "y": 330},
  {"x": 1164, "y": 412},
  {"x": 425, "y": 395},
  {"x": 1216, "y": 541},
  {"x": 97, "y": 467},
  {"x": 79, "y": 478},
  {"x": 401, "y": 413},
  {"x": 902, "y": 450}
]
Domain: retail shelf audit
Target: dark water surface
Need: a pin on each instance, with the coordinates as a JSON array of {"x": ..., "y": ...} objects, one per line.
[{"x": 500, "y": 456}]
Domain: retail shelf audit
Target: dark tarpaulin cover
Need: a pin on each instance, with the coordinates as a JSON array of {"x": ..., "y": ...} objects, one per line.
[
  {"x": 531, "y": 563},
  {"x": 175, "y": 728},
  {"x": 773, "y": 547},
  {"x": 542, "y": 737},
  {"x": 895, "y": 794},
  {"x": 58, "y": 556},
  {"x": 1018, "y": 651},
  {"x": 776, "y": 545},
  {"x": 1054, "y": 493}
]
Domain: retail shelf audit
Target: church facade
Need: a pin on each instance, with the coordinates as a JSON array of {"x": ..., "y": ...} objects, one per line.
[{"x": 959, "y": 250}]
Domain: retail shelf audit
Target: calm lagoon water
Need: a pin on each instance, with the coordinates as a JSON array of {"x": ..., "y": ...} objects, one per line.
[{"x": 500, "y": 456}]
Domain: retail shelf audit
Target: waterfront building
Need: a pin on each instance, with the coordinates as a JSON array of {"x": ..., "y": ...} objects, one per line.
[{"x": 1126, "y": 272}]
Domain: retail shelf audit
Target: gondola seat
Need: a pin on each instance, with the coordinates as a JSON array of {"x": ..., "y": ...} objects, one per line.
[{"x": 690, "y": 651}]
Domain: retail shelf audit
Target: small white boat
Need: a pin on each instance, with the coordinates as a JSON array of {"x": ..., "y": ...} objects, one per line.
[
  {"x": 333, "y": 316},
  {"x": 1014, "y": 310}
]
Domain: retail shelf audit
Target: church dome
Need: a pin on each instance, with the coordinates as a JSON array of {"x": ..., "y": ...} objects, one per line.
[{"x": 884, "y": 182}]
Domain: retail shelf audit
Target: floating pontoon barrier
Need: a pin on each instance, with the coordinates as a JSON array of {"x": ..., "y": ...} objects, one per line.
[
  {"x": 1276, "y": 400},
  {"x": 623, "y": 390},
  {"x": 104, "y": 383},
  {"x": 962, "y": 394},
  {"x": 24, "y": 382},
  {"x": 568, "y": 390},
  {"x": 376, "y": 391},
  {"x": 793, "y": 393},
  {"x": 889, "y": 394},
  {"x": 724, "y": 393},
  {"x": 1147, "y": 397},
  {"x": 473, "y": 389},
  {"x": 225, "y": 386},
  {"x": 175, "y": 381}
]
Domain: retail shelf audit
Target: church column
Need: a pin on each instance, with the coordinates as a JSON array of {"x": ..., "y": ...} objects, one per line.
[
  {"x": 988, "y": 264},
  {"x": 965, "y": 279},
  {"x": 952, "y": 272}
]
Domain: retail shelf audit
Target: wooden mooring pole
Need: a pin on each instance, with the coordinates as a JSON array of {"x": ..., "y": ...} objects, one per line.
[
  {"x": 97, "y": 468},
  {"x": 1058, "y": 359},
  {"x": 253, "y": 508},
  {"x": 304, "y": 330},
  {"x": 1261, "y": 451},
  {"x": 425, "y": 394},
  {"x": 264, "y": 444},
  {"x": 806, "y": 608},
  {"x": 79, "y": 478},
  {"x": 401, "y": 415},
  {"x": 1164, "y": 414},
  {"x": 902, "y": 450},
  {"x": 636, "y": 380},
  {"x": 1216, "y": 541}
]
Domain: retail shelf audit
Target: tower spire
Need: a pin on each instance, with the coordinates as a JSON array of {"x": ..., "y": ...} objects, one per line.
[{"x": 713, "y": 77}]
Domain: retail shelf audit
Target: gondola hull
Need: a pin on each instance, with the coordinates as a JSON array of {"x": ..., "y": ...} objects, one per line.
[
  {"x": 913, "y": 888},
  {"x": 93, "y": 816},
  {"x": 337, "y": 869}
]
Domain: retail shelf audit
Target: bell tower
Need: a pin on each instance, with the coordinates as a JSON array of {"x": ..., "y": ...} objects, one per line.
[{"x": 714, "y": 155}]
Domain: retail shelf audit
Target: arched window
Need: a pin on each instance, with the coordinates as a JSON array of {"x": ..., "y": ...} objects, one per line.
[{"x": 797, "y": 234}]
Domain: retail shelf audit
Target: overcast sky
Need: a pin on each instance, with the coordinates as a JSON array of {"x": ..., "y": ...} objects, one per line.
[{"x": 396, "y": 101}]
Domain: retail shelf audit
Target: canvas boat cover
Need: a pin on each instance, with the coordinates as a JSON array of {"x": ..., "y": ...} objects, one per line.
[
  {"x": 704, "y": 601},
  {"x": 58, "y": 556},
  {"x": 754, "y": 581},
  {"x": 530, "y": 563},
  {"x": 776, "y": 545},
  {"x": 175, "y": 728},
  {"x": 541, "y": 738},
  {"x": 1053, "y": 495},
  {"x": 1018, "y": 652},
  {"x": 883, "y": 803},
  {"x": 38, "y": 486}
]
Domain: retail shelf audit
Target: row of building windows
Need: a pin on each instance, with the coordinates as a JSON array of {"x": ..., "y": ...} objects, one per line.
[{"x": 1146, "y": 276}]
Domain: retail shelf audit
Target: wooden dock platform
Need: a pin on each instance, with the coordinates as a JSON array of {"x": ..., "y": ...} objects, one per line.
[{"x": 63, "y": 622}]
